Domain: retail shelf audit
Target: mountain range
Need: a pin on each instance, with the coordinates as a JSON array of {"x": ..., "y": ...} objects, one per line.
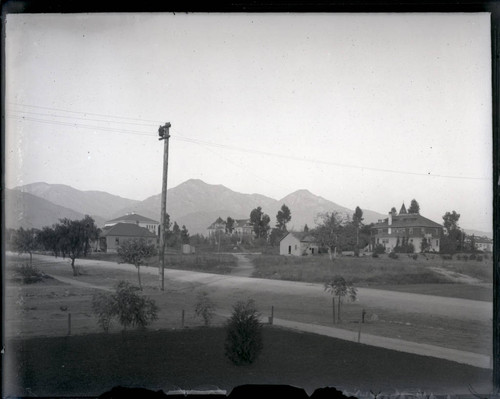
[{"x": 193, "y": 203}]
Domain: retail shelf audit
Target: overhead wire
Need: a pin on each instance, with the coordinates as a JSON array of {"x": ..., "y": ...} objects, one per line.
[{"x": 198, "y": 141}]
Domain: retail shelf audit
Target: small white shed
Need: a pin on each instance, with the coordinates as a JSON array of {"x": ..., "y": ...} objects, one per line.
[{"x": 298, "y": 244}]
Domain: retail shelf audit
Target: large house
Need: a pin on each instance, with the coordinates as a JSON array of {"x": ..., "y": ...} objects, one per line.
[
  {"x": 152, "y": 225},
  {"x": 241, "y": 227},
  {"x": 298, "y": 244},
  {"x": 113, "y": 236},
  {"x": 406, "y": 228},
  {"x": 484, "y": 244}
]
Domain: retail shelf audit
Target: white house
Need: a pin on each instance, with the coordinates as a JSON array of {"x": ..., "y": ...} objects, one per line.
[{"x": 298, "y": 244}]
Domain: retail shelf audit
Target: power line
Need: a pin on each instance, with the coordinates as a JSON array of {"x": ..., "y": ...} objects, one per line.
[
  {"x": 85, "y": 113},
  {"x": 80, "y": 125},
  {"x": 80, "y": 118},
  {"x": 226, "y": 146},
  {"x": 259, "y": 152}
]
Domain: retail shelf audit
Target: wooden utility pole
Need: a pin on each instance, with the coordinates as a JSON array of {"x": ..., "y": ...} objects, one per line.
[{"x": 164, "y": 134}]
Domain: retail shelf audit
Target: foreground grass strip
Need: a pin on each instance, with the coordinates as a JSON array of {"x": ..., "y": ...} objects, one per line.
[{"x": 91, "y": 364}]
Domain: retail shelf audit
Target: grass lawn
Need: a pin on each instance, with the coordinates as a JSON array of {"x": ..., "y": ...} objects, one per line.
[
  {"x": 368, "y": 271},
  {"x": 194, "y": 358}
]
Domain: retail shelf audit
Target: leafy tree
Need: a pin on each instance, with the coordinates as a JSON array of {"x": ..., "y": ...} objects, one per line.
[
  {"x": 283, "y": 217},
  {"x": 451, "y": 221},
  {"x": 357, "y": 221},
  {"x": 49, "y": 240},
  {"x": 414, "y": 207},
  {"x": 204, "y": 307},
  {"x": 260, "y": 222},
  {"x": 126, "y": 305},
  {"x": 243, "y": 334},
  {"x": 25, "y": 241},
  {"x": 340, "y": 288},
  {"x": 74, "y": 237},
  {"x": 229, "y": 225},
  {"x": 276, "y": 236},
  {"x": 136, "y": 252},
  {"x": 425, "y": 245},
  {"x": 453, "y": 238},
  {"x": 394, "y": 211},
  {"x": 328, "y": 231},
  {"x": 184, "y": 235}
]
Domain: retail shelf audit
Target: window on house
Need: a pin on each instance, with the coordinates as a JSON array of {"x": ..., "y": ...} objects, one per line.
[
  {"x": 289, "y": 249},
  {"x": 411, "y": 230},
  {"x": 117, "y": 241}
]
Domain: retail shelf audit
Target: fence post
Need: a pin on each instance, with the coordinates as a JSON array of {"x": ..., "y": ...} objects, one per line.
[
  {"x": 182, "y": 323},
  {"x": 69, "y": 323}
]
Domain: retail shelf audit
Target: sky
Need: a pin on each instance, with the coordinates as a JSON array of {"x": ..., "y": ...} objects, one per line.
[{"x": 368, "y": 110}]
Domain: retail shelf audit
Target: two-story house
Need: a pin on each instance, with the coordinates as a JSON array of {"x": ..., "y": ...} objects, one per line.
[{"x": 407, "y": 228}]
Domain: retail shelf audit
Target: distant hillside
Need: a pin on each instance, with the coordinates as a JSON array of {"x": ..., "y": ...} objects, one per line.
[
  {"x": 28, "y": 211},
  {"x": 98, "y": 204},
  {"x": 197, "y": 204}
]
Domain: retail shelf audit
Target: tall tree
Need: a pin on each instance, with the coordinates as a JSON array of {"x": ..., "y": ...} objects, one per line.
[
  {"x": 75, "y": 237},
  {"x": 414, "y": 207},
  {"x": 136, "y": 252},
  {"x": 229, "y": 225},
  {"x": 25, "y": 241},
  {"x": 328, "y": 231},
  {"x": 451, "y": 221},
  {"x": 184, "y": 235},
  {"x": 260, "y": 222},
  {"x": 453, "y": 238},
  {"x": 357, "y": 221},
  {"x": 283, "y": 217}
]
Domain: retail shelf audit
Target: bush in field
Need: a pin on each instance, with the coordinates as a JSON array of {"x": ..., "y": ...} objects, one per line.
[
  {"x": 393, "y": 255},
  {"x": 415, "y": 256},
  {"x": 126, "y": 305},
  {"x": 29, "y": 274},
  {"x": 204, "y": 308},
  {"x": 103, "y": 306},
  {"x": 244, "y": 334},
  {"x": 379, "y": 249}
]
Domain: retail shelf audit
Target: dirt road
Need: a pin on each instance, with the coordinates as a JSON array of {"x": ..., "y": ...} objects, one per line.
[{"x": 457, "y": 308}]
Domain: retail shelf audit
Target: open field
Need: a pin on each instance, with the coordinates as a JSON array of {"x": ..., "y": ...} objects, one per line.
[
  {"x": 194, "y": 359},
  {"x": 35, "y": 309},
  {"x": 368, "y": 271}
]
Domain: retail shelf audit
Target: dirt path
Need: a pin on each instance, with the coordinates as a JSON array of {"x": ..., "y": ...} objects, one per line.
[{"x": 245, "y": 266}]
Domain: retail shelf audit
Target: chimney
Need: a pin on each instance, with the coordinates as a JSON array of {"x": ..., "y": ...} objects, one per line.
[{"x": 389, "y": 220}]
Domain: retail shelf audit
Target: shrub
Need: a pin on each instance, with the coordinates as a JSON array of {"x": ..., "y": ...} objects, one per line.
[
  {"x": 374, "y": 255},
  {"x": 415, "y": 256},
  {"x": 479, "y": 258},
  {"x": 103, "y": 306},
  {"x": 379, "y": 249},
  {"x": 244, "y": 334},
  {"x": 393, "y": 255},
  {"x": 126, "y": 305},
  {"x": 29, "y": 274},
  {"x": 204, "y": 308}
]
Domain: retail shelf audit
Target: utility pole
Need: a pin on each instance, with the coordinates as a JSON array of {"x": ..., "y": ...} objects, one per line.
[{"x": 164, "y": 134}]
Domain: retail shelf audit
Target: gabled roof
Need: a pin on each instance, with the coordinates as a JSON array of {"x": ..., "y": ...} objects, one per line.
[
  {"x": 127, "y": 230},
  {"x": 219, "y": 221},
  {"x": 403, "y": 211},
  {"x": 133, "y": 218},
  {"x": 242, "y": 223},
  {"x": 301, "y": 236},
  {"x": 408, "y": 220}
]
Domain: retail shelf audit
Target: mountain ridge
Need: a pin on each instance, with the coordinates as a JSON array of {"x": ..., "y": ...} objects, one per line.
[{"x": 193, "y": 203}]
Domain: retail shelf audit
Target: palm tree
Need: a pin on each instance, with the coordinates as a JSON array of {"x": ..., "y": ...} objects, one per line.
[{"x": 340, "y": 288}]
